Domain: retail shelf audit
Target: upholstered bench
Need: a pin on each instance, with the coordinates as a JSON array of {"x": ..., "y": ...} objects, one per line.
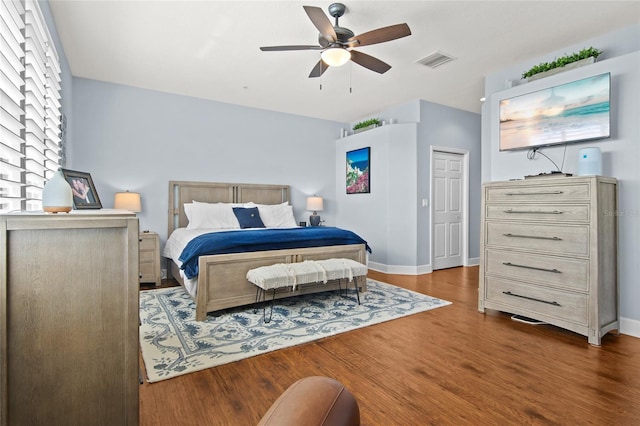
[
  {"x": 317, "y": 401},
  {"x": 281, "y": 275}
]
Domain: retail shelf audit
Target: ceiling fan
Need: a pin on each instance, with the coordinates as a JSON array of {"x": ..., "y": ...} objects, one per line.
[{"x": 337, "y": 43}]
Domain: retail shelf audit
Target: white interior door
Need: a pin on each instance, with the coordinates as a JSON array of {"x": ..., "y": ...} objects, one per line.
[{"x": 447, "y": 209}]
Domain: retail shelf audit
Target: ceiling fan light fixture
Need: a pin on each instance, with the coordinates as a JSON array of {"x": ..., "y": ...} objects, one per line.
[{"x": 335, "y": 56}]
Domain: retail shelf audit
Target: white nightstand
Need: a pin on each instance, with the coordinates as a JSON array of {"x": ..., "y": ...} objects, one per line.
[{"x": 150, "y": 258}]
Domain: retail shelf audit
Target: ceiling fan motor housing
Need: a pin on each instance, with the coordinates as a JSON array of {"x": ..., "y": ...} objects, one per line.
[{"x": 344, "y": 34}]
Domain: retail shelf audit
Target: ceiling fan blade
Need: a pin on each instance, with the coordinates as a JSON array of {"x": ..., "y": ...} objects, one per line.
[
  {"x": 319, "y": 69},
  {"x": 367, "y": 61},
  {"x": 380, "y": 35},
  {"x": 322, "y": 23},
  {"x": 293, "y": 47}
]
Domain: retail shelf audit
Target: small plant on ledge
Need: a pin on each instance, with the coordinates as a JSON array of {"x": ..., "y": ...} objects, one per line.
[
  {"x": 374, "y": 122},
  {"x": 562, "y": 61}
]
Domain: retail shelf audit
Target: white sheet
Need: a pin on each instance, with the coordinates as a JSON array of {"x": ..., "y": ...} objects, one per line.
[{"x": 176, "y": 242}]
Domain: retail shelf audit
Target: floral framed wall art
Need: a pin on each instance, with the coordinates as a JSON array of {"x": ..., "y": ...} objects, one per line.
[
  {"x": 85, "y": 195},
  {"x": 358, "y": 171}
]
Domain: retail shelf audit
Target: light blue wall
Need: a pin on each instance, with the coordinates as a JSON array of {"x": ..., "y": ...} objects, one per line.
[
  {"x": 443, "y": 126},
  {"x": 137, "y": 139},
  {"x": 436, "y": 125},
  {"x": 621, "y": 152},
  {"x": 385, "y": 217}
]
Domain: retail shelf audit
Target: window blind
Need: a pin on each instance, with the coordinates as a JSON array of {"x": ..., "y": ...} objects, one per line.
[{"x": 30, "y": 136}]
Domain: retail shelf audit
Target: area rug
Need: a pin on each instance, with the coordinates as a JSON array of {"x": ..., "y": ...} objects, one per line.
[{"x": 173, "y": 343}]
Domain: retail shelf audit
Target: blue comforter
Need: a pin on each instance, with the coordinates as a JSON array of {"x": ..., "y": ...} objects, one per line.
[{"x": 262, "y": 239}]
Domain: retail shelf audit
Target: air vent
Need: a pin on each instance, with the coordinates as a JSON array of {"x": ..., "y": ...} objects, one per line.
[{"x": 435, "y": 59}]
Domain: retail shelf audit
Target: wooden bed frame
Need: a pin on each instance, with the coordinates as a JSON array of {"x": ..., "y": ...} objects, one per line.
[{"x": 222, "y": 281}]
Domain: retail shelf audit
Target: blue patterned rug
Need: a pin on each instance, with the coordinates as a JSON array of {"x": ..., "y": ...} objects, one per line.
[{"x": 174, "y": 344}]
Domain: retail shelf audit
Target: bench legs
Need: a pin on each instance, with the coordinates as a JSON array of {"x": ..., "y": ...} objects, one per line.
[
  {"x": 261, "y": 293},
  {"x": 346, "y": 288}
]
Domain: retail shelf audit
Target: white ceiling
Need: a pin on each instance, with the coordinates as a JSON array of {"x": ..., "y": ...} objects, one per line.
[{"x": 210, "y": 49}]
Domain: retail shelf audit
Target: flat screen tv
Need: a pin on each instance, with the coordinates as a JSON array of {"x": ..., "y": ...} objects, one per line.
[{"x": 570, "y": 112}]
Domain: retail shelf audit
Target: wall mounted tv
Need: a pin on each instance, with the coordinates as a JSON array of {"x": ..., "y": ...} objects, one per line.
[{"x": 570, "y": 112}]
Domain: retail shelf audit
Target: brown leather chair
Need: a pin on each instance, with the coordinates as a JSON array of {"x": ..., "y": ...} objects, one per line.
[{"x": 314, "y": 401}]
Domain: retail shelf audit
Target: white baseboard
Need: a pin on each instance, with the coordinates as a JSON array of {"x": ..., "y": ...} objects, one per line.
[
  {"x": 424, "y": 269},
  {"x": 473, "y": 261},
  {"x": 378, "y": 267},
  {"x": 415, "y": 270},
  {"x": 410, "y": 270},
  {"x": 400, "y": 269},
  {"x": 630, "y": 327}
]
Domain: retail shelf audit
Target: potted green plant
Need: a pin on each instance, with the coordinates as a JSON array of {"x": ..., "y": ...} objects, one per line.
[
  {"x": 544, "y": 69},
  {"x": 366, "y": 125}
]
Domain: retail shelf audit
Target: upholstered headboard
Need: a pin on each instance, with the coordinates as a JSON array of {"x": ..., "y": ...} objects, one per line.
[{"x": 181, "y": 192}]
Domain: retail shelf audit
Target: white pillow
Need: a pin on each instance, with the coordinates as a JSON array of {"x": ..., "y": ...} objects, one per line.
[
  {"x": 219, "y": 202},
  {"x": 210, "y": 216},
  {"x": 276, "y": 215}
]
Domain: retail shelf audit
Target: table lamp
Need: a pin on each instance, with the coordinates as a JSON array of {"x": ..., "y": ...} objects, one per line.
[
  {"x": 127, "y": 201},
  {"x": 314, "y": 204}
]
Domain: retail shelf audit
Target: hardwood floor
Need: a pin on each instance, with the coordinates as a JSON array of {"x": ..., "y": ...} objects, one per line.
[{"x": 451, "y": 365}]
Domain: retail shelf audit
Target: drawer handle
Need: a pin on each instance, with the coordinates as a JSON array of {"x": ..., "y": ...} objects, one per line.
[
  {"x": 508, "y": 293},
  {"x": 555, "y": 271},
  {"x": 534, "y": 211},
  {"x": 536, "y": 237},
  {"x": 535, "y": 193}
]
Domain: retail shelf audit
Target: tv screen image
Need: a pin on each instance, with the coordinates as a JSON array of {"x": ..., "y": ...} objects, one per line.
[{"x": 570, "y": 112}]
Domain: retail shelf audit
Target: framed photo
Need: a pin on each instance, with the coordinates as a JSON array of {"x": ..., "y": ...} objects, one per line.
[
  {"x": 85, "y": 195},
  {"x": 358, "y": 169}
]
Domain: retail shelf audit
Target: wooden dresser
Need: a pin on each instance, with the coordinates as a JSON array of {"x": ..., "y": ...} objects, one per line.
[
  {"x": 69, "y": 319},
  {"x": 548, "y": 252}
]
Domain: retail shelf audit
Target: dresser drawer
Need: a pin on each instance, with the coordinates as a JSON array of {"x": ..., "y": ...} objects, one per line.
[
  {"x": 148, "y": 243},
  {"x": 547, "y": 212},
  {"x": 147, "y": 256},
  {"x": 562, "y": 239},
  {"x": 148, "y": 270},
  {"x": 544, "y": 193},
  {"x": 557, "y": 271},
  {"x": 520, "y": 296}
]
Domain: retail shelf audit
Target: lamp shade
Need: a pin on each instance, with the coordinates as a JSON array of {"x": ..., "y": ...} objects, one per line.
[
  {"x": 314, "y": 204},
  {"x": 127, "y": 201},
  {"x": 335, "y": 56}
]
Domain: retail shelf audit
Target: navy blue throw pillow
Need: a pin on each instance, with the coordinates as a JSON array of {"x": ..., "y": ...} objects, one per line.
[{"x": 248, "y": 217}]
